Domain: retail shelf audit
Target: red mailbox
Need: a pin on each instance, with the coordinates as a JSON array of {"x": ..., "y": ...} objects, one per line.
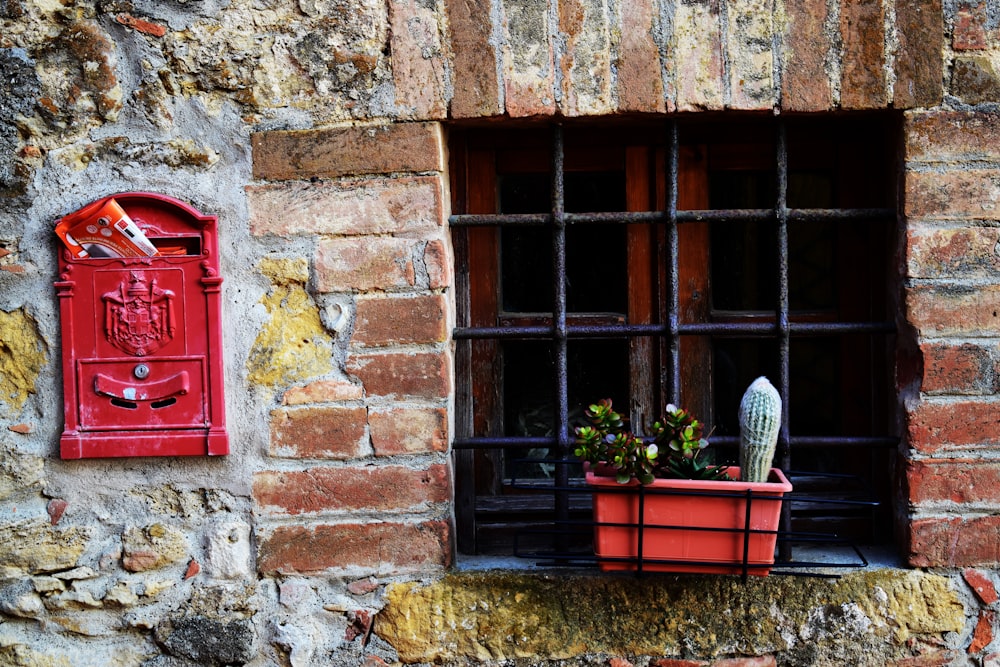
[{"x": 142, "y": 338}]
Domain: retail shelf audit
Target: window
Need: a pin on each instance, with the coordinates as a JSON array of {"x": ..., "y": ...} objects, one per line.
[{"x": 656, "y": 262}]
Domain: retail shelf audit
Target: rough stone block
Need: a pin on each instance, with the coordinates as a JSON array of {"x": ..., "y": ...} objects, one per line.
[
  {"x": 153, "y": 547},
  {"x": 529, "y": 65},
  {"x": 750, "y": 55},
  {"x": 38, "y": 548},
  {"x": 586, "y": 57},
  {"x": 227, "y": 550},
  {"x": 697, "y": 56}
]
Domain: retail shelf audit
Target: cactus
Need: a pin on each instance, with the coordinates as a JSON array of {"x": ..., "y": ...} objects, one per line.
[{"x": 760, "y": 419}]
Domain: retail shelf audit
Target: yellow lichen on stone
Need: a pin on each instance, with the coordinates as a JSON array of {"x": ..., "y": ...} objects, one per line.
[
  {"x": 34, "y": 548},
  {"x": 293, "y": 345},
  {"x": 153, "y": 547},
  {"x": 861, "y": 618},
  {"x": 914, "y": 603},
  {"x": 22, "y": 357}
]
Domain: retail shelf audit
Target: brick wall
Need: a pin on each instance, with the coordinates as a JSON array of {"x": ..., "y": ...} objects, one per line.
[
  {"x": 357, "y": 480},
  {"x": 951, "y": 262}
]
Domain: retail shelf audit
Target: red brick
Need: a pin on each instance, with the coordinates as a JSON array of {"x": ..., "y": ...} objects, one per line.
[
  {"x": 920, "y": 30},
  {"x": 640, "y": 80},
  {"x": 674, "y": 662},
  {"x": 936, "y": 427},
  {"x": 193, "y": 569},
  {"x": 953, "y": 481},
  {"x": 949, "y": 136},
  {"x": 958, "y": 369},
  {"x": 982, "y": 636},
  {"x": 416, "y": 375},
  {"x": 332, "y": 432},
  {"x": 437, "y": 264},
  {"x": 982, "y": 585},
  {"x": 418, "y": 62},
  {"x": 56, "y": 508},
  {"x": 477, "y": 89},
  {"x": 323, "y": 391},
  {"x": 408, "y": 431},
  {"x": 952, "y": 252},
  {"x": 342, "y": 151},
  {"x": 933, "y": 658},
  {"x": 386, "y": 489},
  {"x": 862, "y": 31},
  {"x": 396, "y": 320},
  {"x": 756, "y": 661},
  {"x": 954, "y": 310},
  {"x": 955, "y": 541},
  {"x": 142, "y": 25},
  {"x": 366, "y": 263},
  {"x": 969, "y": 32},
  {"x": 619, "y": 662},
  {"x": 805, "y": 85},
  {"x": 953, "y": 194},
  {"x": 379, "y": 548},
  {"x": 529, "y": 67},
  {"x": 347, "y": 207}
]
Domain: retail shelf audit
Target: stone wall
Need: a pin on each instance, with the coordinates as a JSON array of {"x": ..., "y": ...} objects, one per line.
[{"x": 316, "y": 131}]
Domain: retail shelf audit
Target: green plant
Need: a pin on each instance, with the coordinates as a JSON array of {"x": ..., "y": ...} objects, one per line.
[
  {"x": 760, "y": 419},
  {"x": 672, "y": 452}
]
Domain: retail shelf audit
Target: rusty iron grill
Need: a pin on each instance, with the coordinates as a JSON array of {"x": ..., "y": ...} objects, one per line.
[{"x": 559, "y": 331}]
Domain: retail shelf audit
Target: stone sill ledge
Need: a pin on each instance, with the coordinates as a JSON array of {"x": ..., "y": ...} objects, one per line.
[{"x": 485, "y": 613}]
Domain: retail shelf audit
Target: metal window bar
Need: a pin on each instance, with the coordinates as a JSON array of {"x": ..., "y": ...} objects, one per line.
[{"x": 560, "y": 332}]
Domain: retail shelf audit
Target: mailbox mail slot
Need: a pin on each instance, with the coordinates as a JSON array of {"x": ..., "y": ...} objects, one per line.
[{"x": 142, "y": 340}]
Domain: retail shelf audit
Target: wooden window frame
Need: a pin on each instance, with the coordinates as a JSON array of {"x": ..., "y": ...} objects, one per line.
[{"x": 667, "y": 196}]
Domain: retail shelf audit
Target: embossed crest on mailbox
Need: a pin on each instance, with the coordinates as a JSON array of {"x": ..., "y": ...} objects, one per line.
[{"x": 142, "y": 339}]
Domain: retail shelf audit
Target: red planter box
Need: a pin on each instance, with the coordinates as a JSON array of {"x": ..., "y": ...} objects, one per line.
[{"x": 673, "y": 526}]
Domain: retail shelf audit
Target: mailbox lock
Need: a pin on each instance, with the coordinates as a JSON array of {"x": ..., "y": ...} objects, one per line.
[{"x": 141, "y": 371}]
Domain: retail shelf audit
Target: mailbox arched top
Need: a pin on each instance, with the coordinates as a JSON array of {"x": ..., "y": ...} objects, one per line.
[
  {"x": 171, "y": 227},
  {"x": 163, "y": 213}
]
